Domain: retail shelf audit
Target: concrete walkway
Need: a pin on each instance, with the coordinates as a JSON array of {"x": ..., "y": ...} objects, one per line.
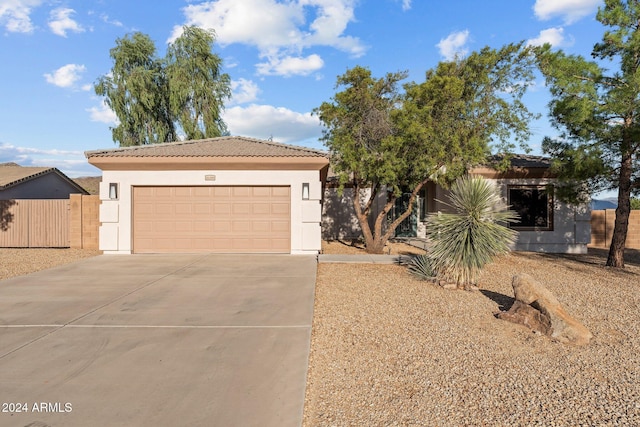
[{"x": 155, "y": 340}]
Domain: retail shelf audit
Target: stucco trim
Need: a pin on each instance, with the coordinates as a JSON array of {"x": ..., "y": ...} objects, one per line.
[{"x": 219, "y": 163}]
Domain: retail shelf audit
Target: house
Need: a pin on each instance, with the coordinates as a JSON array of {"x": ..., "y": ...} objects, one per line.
[
  {"x": 546, "y": 223},
  {"x": 226, "y": 194},
  {"x": 28, "y": 182}
]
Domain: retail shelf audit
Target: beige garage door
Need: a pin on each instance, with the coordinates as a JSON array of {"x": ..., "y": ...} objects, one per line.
[{"x": 211, "y": 219}]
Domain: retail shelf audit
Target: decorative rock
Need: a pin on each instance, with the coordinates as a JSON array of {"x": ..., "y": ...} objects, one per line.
[{"x": 538, "y": 309}]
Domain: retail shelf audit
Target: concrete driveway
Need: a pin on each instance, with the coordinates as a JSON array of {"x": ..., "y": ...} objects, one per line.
[{"x": 155, "y": 340}]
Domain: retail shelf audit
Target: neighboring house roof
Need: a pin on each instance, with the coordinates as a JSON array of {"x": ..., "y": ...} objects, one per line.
[
  {"x": 524, "y": 161},
  {"x": 522, "y": 166},
  {"x": 233, "y": 151},
  {"x": 12, "y": 174}
]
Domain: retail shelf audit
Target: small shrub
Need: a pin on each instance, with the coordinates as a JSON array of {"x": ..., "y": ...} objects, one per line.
[{"x": 421, "y": 267}]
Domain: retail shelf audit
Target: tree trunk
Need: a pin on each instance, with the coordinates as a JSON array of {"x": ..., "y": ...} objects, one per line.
[
  {"x": 619, "y": 238},
  {"x": 375, "y": 240}
]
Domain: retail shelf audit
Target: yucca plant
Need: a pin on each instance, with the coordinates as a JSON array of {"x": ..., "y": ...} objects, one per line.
[
  {"x": 464, "y": 242},
  {"x": 420, "y": 266}
]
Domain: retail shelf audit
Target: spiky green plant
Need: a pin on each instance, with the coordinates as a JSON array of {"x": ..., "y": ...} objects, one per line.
[
  {"x": 421, "y": 267},
  {"x": 464, "y": 242}
]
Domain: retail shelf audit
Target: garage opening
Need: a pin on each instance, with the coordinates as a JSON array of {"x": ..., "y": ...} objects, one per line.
[{"x": 219, "y": 219}]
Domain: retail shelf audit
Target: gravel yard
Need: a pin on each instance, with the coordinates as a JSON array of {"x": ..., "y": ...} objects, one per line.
[
  {"x": 17, "y": 262},
  {"x": 388, "y": 349}
]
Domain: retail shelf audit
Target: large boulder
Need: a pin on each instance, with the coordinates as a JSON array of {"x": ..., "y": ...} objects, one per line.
[{"x": 538, "y": 309}]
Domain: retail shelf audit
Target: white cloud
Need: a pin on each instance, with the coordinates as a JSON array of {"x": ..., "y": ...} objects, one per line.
[
  {"x": 454, "y": 45},
  {"x": 570, "y": 10},
  {"x": 289, "y": 66},
  {"x": 553, "y": 36},
  {"x": 71, "y": 162},
  {"x": 243, "y": 91},
  {"x": 406, "y": 4},
  {"x": 66, "y": 76},
  {"x": 60, "y": 22},
  {"x": 279, "y": 30},
  {"x": 105, "y": 18},
  {"x": 103, "y": 114},
  {"x": 266, "y": 121},
  {"x": 15, "y": 15}
]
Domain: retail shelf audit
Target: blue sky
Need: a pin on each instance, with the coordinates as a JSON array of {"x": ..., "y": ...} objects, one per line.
[{"x": 283, "y": 58}]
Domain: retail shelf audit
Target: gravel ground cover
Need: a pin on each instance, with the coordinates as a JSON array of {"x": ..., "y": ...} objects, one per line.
[
  {"x": 17, "y": 262},
  {"x": 390, "y": 350}
]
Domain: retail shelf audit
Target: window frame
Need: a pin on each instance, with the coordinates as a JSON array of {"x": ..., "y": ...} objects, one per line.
[{"x": 546, "y": 189}]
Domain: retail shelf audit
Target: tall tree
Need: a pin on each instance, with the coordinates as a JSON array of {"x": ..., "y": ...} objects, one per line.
[
  {"x": 382, "y": 140},
  {"x": 197, "y": 86},
  {"x": 598, "y": 115},
  {"x": 155, "y": 98},
  {"x": 137, "y": 91}
]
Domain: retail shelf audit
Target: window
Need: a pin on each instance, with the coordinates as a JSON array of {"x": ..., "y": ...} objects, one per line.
[{"x": 534, "y": 204}]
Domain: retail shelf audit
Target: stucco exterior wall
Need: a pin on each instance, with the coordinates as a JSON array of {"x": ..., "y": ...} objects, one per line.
[
  {"x": 571, "y": 225},
  {"x": 339, "y": 221},
  {"x": 116, "y": 215}
]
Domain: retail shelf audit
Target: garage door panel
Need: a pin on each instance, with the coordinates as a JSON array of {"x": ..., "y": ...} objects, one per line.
[
  {"x": 163, "y": 209},
  {"x": 241, "y": 226},
  {"x": 260, "y": 209},
  {"x": 202, "y": 226},
  {"x": 202, "y": 208},
  {"x": 280, "y": 226},
  {"x": 281, "y": 192},
  {"x": 183, "y": 208},
  {"x": 221, "y": 208},
  {"x": 241, "y": 209},
  {"x": 280, "y": 208},
  {"x": 212, "y": 219},
  {"x": 221, "y": 192},
  {"x": 165, "y": 192},
  {"x": 182, "y": 192},
  {"x": 184, "y": 226},
  {"x": 261, "y": 227},
  {"x": 261, "y": 192},
  {"x": 221, "y": 226},
  {"x": 241, "y": 192}
]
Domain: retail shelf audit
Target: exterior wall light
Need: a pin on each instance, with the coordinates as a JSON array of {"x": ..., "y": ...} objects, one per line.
[
  {"x": 305, "y": 191},
  {"x": 113, "y": 190}
]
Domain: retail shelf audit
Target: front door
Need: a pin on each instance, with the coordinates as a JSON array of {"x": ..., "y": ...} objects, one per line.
[{"x": 409, "y": 226}]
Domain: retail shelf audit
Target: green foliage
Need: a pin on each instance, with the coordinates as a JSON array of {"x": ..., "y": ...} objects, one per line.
[
  {"x": 358, "y": 125},
  {"x": 420, "y": 266},
  {"x": 463, "y": 242},
  {"x": 382, "y": 139},
  {"x": 136, "y": 89},
  {"x": 154, "y": 98},
  {"x": 197, "y": 88},
  {"x": 635, "y": 203},
  {"x": 466, "y": 108},
  {"x": 597, "y": 114}
]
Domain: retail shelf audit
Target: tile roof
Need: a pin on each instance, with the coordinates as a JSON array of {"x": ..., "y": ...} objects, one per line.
[{"x": 225, "y": 146}]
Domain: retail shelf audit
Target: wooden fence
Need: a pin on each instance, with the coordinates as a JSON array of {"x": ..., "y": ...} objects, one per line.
[
  {"x": 58, "y": 223},
  {"x": 602, "y": 222}
]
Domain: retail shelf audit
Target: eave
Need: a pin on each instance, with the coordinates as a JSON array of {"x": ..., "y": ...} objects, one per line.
[{"x": 107, "y": 163}]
